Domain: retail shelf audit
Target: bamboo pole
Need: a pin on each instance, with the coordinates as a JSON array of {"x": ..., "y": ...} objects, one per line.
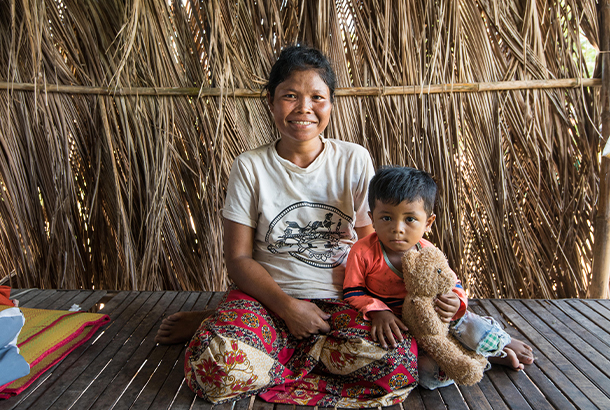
[
  {"x": 345, "y": 92},
  {"x": 598, "y": 288}
]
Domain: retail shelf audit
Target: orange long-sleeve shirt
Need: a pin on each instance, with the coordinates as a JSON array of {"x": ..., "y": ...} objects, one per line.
[{"x": 371, "y": 282}]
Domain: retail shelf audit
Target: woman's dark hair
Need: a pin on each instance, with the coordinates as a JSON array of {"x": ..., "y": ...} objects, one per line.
[
  {"x": 301, "y": 58},
  {"x": 393, "y": 184}
]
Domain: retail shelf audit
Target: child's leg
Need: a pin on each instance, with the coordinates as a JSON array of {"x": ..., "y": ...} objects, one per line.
[
  {"x": 481, "y": 334},
  {"x": 517, "y": 354},
  {"x": 485, "y": 336}
]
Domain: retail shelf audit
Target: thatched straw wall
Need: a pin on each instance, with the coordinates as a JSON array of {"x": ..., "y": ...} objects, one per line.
[{"x": 122, "y": 191}]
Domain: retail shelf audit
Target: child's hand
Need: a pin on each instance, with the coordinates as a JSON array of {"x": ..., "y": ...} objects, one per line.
[
  {"x": 385, "y": 325},
  {"x": 447, "y": 306}
]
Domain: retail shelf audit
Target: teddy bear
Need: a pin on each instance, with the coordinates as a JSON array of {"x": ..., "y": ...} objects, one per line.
[{"x": 426, "y": 274}]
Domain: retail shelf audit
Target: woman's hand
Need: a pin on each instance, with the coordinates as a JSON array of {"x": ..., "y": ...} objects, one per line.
[
  {"x": 447, "y": 306},
  {"x": 304, "y": 319},
  {"x": 385, "y": 325}
]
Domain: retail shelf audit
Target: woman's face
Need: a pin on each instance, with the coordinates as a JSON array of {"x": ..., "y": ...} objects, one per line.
[{"x": 301, "y": 106}]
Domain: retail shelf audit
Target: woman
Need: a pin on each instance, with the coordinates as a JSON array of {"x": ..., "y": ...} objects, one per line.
[{"x": 292, "y": 212}]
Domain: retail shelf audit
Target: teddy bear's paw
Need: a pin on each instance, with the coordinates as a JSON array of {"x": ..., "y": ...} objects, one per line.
[
  {"x": 470, "y": 379},
  {"x": 463, "y": 369},
  {"x": 468, "y": 373}
]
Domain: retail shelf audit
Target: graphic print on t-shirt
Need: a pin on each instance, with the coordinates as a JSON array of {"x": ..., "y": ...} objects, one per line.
[{"x": 312, "y": 233}]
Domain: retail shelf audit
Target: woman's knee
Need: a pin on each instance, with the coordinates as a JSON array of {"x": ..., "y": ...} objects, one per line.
[{"x": 224, "y": 369}]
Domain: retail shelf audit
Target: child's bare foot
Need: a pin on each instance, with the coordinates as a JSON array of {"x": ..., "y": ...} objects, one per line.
[
  {"x": 517, "y": 354},
  {"x": 180, "y": 327}
]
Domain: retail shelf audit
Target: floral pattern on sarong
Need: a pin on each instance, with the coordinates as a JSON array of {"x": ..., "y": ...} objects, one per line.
[
  {"x": 227, "y": 316},
  {"x": 341, "y": 321},
  {"x": 360, "y": 320},
  {"x": 227, "y": 373},
  {"x": 266, "y": 332},
  {"x": 249, "y": 320},
  {"x": 244, "y": 349}
]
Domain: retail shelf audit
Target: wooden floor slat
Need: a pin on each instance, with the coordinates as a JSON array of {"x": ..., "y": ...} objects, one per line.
[
  {"x": 126, "y": 369},
  {"x": 114, "y": 337},
  {"x": 506, "y": 389},
  {"x": 452, "y": 397},
  {"x": 126, "y": 361},
  {"x": 184, "y": 398},
  {"x": 41, "y": 299},
  {"x": 151, "y": 356},
  {"x": 575, "y": 361},
  {"x": 164, "y": 358},
  {"x": 432, "y": 399},
  {"x": 555, "y": 365},
  {"x": 24, "y": 295},
  {"x": 491, "y": 394},
  {"x": 583, "y": 322},
  {"x": 414, "y": 401},
  {"x": 529, "y": 391},
  {"x": 601, "y": 308},
  {"x": 62, "y": 298},
  {"x": 550, "y": 380},
  {"x": 584, "y": 308},
  {"x": 93, "y": 299},
  {"x": 589, "y": 334},
  {"x": 576, "y": 337},
  {"x": 79, "y": 297},
  {"x": 474, "y": 397}
]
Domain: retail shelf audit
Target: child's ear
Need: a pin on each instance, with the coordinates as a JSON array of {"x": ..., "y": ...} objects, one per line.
[
  {"x": 269, "y": 100},
  {"x": 371, "y": 216},
  {"x": 429, "y": 222}
]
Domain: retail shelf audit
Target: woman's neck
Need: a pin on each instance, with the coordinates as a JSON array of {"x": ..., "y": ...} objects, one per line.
[{"x": 302, "y": 154}]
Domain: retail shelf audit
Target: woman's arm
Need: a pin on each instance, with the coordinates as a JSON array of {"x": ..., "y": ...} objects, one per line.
[
  {"x": 302, "y": 318},
  {"x": 364, "y": 231}
]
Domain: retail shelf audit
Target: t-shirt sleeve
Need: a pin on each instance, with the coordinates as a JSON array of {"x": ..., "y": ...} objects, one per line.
[
  {"x": 354, "y": 286},
  {"x": 459, "y": 291},
  {"x": 361, "y": 197},
  {"x": 242, "y": 196}
]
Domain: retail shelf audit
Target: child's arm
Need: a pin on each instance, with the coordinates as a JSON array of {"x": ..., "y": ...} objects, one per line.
[
  {"x": 452, "y": 305},
  {"x": 355, "y": 291},
  {"x": 385, "y": 326}
]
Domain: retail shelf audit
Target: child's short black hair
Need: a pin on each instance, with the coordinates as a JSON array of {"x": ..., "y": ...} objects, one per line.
[
  {"x": 301, "y": 58},
  {"x": 394, "y": 184}
]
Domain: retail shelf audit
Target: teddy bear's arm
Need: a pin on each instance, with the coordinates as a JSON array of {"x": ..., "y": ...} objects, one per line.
[{"x": 426, "y": 315}]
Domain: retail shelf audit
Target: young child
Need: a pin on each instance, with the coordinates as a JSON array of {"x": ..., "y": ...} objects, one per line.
[{"x": 401, "y": 202}]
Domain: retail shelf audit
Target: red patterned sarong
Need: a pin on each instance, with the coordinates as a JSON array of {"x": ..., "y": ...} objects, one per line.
[{"x": 244, "y": 349}]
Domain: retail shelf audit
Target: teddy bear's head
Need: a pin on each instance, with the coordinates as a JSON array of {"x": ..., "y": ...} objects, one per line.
[{"x": 426, "y": 272}]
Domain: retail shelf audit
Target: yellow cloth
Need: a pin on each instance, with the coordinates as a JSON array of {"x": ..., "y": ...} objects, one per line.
[{"x": 47, "y": 337}]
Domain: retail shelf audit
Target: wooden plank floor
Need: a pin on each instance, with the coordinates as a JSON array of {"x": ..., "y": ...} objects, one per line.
[{"x": 122, "y": 368}]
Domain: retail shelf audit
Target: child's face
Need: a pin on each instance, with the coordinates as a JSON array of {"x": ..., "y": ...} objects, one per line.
[{"x": 400, "y": 227}]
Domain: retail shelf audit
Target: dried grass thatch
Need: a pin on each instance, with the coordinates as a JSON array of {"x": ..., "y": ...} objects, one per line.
[{"x": 123, "y": 191}]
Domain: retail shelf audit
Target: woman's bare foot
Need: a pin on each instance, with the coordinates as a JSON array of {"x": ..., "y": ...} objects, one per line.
[
  {"x": 180, "y": 327},
  {"x": 517, "y": 355}
]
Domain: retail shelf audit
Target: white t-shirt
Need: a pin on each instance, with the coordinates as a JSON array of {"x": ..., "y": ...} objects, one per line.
[{"x": 304, "y": 218}]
